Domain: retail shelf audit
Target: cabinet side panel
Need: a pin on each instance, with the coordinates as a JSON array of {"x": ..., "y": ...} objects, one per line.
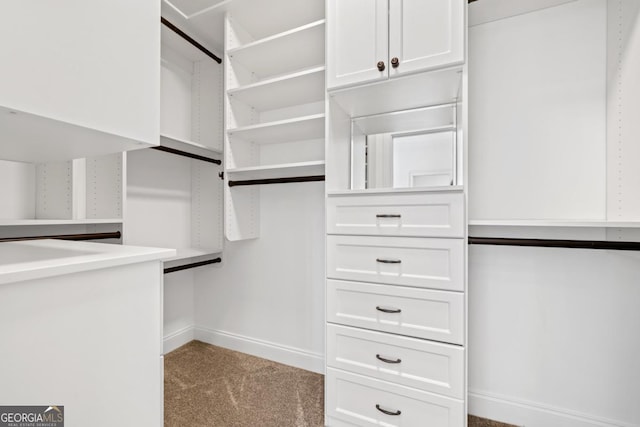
[
  {"x": 18, "y": 189},
  {"x": 623, "y": 104},
  {"x": 54, "y": 190},
  {"x": 90, "y": 63},
  {"x": 104, "y": 186}
]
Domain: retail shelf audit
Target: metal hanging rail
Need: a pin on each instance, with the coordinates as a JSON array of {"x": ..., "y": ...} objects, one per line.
[
  {"x": 78, "y": 237},
  {"x": 192, "y": 265},
  {"x": 187, "y": 154},
  {"x": 235, "y": 183},
  {"x": 185, "y": 36},
  {"x": 555, "y": 243}
]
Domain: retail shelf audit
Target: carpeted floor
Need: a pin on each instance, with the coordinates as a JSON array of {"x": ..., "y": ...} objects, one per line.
[{"x": 207, "y": 386}]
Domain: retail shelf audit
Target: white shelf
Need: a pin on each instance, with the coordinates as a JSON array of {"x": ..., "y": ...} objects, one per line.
[
  {"x": 30, "y": 222},
  {"x": 556, "y": 223},
  {"x": 402, "y": 93},
  {"x": 299, "y": 48},
  {"x": 297, "y": 129},
  {"x": 189, "y": 255},
  {"x": 449, "y": 188},
  {"x": 29, "y": 137},
  {"x": 188, "y": 146},
  {"x": 285, "y": 170},
  {"x": 301, "y": 87}
]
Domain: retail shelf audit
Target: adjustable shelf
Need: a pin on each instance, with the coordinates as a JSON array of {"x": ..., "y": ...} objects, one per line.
[
  {"x": 299, "y": 128},
  {"x": 300, "y": 87},
  {"x": 30, "y": 222},
  {"x": 188, "y": 149},
  {"x": 298, "y": 48},
  {"x": 190, "y": 257},
  {"x": 556, "y": 223},
  {"x": 286, "y": 170}
]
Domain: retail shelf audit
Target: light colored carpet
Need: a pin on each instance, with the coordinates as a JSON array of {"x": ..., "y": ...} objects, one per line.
[
  {"x": 212, "y": 386},
  {"x": 205, "y": 385}
]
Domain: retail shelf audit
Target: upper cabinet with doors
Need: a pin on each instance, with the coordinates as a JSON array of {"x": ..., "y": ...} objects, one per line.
[
  {"x": 79, "y": 78},
  {"x": 371, "y": 40}
]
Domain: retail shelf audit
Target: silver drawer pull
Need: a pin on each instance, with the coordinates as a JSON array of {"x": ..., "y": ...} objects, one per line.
[
  {"x": 385, "y": 360},
  {"x": 388, "y": 216},
  {"x": 388, "y": 261},
  {"x": 388, "y": 310},
  {"x": 384, "y": 411}
]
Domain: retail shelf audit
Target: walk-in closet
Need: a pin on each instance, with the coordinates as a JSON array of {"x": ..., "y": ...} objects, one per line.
[{"x": 320, "y": 213}]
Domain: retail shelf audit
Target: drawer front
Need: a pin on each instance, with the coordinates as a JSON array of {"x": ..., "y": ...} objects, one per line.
[
  {"x": 422, "y": 364},
  {"x": 422, "y": 313},
  {"x": 426, "y": 263},
  {"x": 355, "y": 399},
  {"x": 411, "y": 214}
]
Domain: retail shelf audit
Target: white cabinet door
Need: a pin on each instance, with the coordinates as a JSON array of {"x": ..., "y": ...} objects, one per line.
[
  {"x": 425, "y": 34},
  {"x": 357, "y": 41}
]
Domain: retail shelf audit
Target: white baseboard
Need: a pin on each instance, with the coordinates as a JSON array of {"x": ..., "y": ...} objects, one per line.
[
  {"x": 178, "y": 338},
  {"x": 532, "y": 414},
  {"x": 278, "y": 353}
]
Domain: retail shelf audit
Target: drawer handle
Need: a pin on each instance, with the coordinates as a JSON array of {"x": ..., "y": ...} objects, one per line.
[
  {"x": 384, "y": 411},
  {"x": 387, "y": 360},
  {"x": 388, "y": 310},
  {"x": 388, "y": 261},
  {"x": 388, "y": 216}
]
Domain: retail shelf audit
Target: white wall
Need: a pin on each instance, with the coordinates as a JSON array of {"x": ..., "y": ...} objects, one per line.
[
  {"x": 267, "y": 296},
  {"x": 554, "y": 336}
]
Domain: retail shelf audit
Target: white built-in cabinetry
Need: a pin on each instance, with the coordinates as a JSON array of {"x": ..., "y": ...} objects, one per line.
[
  {"x": 78, "y": 78},
  {"x": 372, "y": 40},
  {"x": 173, "y": 200},
  {"x": 274, "y": 104},
  {"x": 396, "y": 222}
]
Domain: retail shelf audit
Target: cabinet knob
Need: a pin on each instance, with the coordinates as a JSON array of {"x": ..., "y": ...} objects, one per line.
[
  {"x": 395, "y": 62},
  {"x": 381, "y": 66}
]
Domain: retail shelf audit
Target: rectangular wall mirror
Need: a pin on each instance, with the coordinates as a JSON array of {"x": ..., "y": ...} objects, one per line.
[{"x": 404, "y": 149}]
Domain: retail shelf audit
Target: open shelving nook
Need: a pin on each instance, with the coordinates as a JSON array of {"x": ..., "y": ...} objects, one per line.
[
  {"x": 274, "y": 104},
  {"x": 174, "y": 192},
  {"x": 81, "y": 191}
]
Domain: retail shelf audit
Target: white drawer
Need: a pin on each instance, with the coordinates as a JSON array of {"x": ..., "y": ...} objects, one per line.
[
  {"x": 422, "y": 364},
  {"x": 360, "y": 400},
  {"x": 410, "y": 214},
  {"x": 421, "y": 262},
  {"x": 435, "y": 315}
]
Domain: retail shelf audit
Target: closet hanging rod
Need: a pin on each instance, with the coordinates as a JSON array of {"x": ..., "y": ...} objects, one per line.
[
  {"x": 192, "y": 265},
  {"x": 311, "y": 178},
  {"x": 556, "y": 243},
  {"x": 185, "y": 36},
  {"x": 78, "y": 237},
  {"x": 187, "y": 154}
]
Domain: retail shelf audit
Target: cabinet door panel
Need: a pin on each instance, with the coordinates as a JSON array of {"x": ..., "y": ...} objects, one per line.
[
  {"x": 425, "y": 34},
  {"x": 358, "y": 39}
]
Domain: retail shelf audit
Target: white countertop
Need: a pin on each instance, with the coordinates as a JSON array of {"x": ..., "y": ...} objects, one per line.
[{"x": 35, "y": 259}]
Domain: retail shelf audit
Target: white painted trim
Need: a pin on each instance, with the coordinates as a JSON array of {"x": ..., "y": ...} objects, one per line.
[
  {"x": 532, "y": 414},
  {"x": 292, "y": 356},
  {"x": 178, "y": 338}
]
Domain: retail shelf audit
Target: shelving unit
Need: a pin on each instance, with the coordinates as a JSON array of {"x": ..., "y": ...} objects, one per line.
[
  {"x": 174, "y": 192},
  {"x": 69, "y": 197},
  {"x": 274, "y": 103}
]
